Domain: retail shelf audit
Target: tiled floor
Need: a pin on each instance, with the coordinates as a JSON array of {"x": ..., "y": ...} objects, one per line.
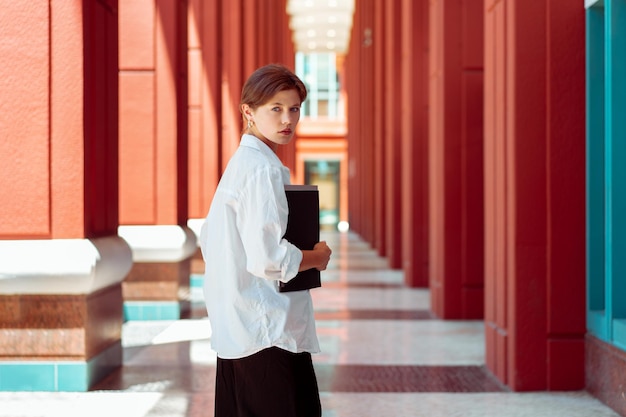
[{"x": 383, "y": 355}]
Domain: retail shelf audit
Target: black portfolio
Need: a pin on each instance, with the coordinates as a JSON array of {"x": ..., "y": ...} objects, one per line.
[{"x": 303, "y": 230}]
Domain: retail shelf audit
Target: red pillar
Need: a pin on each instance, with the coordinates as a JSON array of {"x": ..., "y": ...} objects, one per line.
[
  {"x": 204, "y": 110},
  {"x": 380, "y": 207},
  {"x": 364, "y": 83},
  {"x": 353, "y": 79},
  {"x": 279, "y": 49},
  {"x": 58, "y": 174},
  {"x": 392, "y": 139},
  {"x": 204, "y": 114},
  {"x": 153, "y": 156},
  {"x": 456, "y": 160},
  {"x": 359, "y": 79},
  {"x": 414, "y": 143},
  {"x": 232, "y": 48},
  {"x": 535, "y": 191},
  {"x": 254, "y": 20}
]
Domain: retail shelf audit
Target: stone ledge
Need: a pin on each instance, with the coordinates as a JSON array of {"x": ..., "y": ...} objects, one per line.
[
  {"x": 159, "y": 243},
  {"x": 63, "y": 266}
]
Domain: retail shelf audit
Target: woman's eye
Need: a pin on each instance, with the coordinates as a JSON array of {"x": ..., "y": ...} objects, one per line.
[
  {"x": 276, "y": 109},
  {"x": 295, "y": 109}
]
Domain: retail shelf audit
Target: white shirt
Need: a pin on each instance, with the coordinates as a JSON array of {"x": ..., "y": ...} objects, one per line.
[{"x": 246, "y": 256}]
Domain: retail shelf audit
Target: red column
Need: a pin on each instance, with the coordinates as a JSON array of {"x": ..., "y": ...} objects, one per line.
[
  {"x": 392, "y": 133},
  {"x": 380, "y": 207},
  {"x": 414, "y": 143},
  {"x": 232, "y": 48},
  {"x": 280, "y": 49},
  {"x": 456, "y": 160},
  {"x": 535, "y": 189},
  {"x": 359, "y": 79},
  {"x": 153, "y": 155},
  {"x": 58, "y": 174},
  {"x": 204, "y": 109},
  {"x": 364, "y": 83},
  {"x": 353, "y": 79},
  {"x": 204, "y": 114},
  {"x": 254, "y": 23}
]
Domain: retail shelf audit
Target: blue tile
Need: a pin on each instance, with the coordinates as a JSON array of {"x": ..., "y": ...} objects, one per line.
[
  {"x": 152, "y": 310},
  {"x": 196, "y": 281},
  {"x": 65, "y": 376},
  {"x": 26, "y": 376},
  {"x": 72, "y": 376}
]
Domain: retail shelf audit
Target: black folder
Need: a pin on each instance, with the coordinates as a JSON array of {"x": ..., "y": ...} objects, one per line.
[{"x": 303, "y": 230}]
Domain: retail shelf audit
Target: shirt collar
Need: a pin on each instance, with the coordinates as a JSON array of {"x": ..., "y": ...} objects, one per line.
[{"x": 251, "y": 141}]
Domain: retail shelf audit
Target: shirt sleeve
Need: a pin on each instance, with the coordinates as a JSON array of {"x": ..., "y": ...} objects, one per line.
[{"x": 262, "y": 223}]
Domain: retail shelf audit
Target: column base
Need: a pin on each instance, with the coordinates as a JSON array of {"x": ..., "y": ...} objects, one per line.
[
  {"x": 605, "y": 369},
  {"x": 157, "y": 287},
  {"x": 61, "y": 318}
]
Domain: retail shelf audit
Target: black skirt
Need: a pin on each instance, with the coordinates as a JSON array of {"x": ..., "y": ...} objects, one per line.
[{"x": 273, "y": 382}]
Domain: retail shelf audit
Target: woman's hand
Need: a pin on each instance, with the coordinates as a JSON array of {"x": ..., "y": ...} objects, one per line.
[
  {"x": 316, "y": 258},
  {"x": 324, "y": 252}
]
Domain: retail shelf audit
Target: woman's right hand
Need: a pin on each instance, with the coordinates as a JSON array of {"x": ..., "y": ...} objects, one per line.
[
  {"x": 317, "y": 257},
  {"x": 323, "y": 251}
]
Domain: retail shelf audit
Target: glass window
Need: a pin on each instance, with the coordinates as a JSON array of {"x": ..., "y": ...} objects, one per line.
[{"x": 319, "y": 73}]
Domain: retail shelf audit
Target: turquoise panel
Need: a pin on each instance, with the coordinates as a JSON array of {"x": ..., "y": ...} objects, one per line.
[
  {"x": 619, "y": 333},
  {"x": 152, "y": 310},
  {"x": 196, "y": 280},
  {"x": 597, "y": 324},
  {"x": 595, "y": 179},
  {"x": 72, "y": 376},
  {"x": 28, "y": 376},
  {"x": 615, "y": 85}
]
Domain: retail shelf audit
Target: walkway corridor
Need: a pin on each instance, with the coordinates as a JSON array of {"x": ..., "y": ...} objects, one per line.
[{"x": 383, "y": 355}]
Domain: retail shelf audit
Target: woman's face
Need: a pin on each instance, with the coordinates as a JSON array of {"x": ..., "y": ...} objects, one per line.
[{"x": 275, "y": 121}]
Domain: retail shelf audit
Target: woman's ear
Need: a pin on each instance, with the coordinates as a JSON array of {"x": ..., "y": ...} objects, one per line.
[{"x": 247, "y": 112}]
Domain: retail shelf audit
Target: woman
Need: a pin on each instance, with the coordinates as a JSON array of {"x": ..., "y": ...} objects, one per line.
[{"x": 263, "y": 338}]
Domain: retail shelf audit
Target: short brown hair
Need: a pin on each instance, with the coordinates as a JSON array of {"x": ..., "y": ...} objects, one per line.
[{"x": 266, "y": 82}]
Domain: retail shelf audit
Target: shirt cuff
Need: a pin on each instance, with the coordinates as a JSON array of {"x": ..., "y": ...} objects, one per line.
[{"x": 291, "y": 264}]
